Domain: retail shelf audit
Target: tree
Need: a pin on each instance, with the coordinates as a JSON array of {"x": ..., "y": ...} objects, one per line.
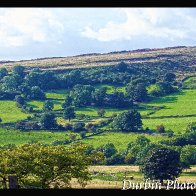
[
  {"x": 188, "y": 156},
  {"x": 99, "y": 96},
  {"x": 19, "y": 70},
  {"x": 142, "y": 141},
  {"x": 20, "y": 100},
  {"x": 3, "y": 72},
  {"x": 11, "y": 83},
  {"x": 116, "y": 159},
  {"x": 169, "y": 77},
  {"x": 79, "y": 127},
  {"x": 82, "y": 95},
  {"x": 69, "y": 113},
  {"x": 121, "y": 67},
  {"x": 162, "y": 164},
  {"x": 48, "y": 106},
  {"x": 108, "y": 150},
  {"x": 128, "y": 121},
  {"x": 46, "y": 166},
  {"x": 67, "y": 102},
  {"x": 37, "y": 93},
  {"x": 117, "y": 99},
  {"x": 48, "y": 121},
  {"x": 136, "y": 92},
  {"x": 101, "y": 112}
]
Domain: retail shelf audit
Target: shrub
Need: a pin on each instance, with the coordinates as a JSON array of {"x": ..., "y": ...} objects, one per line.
[{"x": 78, "y": 127}]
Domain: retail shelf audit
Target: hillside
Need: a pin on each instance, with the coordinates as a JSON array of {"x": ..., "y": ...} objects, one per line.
[{"x": 181, "y": 57}]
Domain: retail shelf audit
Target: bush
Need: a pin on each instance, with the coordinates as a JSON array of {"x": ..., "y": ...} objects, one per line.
[
  {"x": 68, "y": 127},
  {"x": 83, "y": 134},
  {"x": 129, "y": 159},
  {"x": 116, "y": 159},
  {"x": 79, "y": 127},
  {"x": 160, "y": 129}
]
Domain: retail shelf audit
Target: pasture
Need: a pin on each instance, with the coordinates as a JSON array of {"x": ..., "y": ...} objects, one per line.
[
  {"x": 111, "y": 88},
  {"x": 119, "y": 139},
  {"x": 9, "y": 112},
  {"x": 18, "y": 138},
  {"x": 182, "y": 103},
  {"x": 178, "y": 125}
]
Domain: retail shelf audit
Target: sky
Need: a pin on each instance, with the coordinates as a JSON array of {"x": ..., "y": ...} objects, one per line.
[{"x": 30, "y": 33}]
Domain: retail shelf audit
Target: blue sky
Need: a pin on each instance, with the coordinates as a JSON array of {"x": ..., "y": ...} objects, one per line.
[{"x": 27, "y": 33}]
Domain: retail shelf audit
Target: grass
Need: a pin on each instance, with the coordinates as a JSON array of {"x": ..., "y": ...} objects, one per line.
[
  {"x": 92, "y": 111},
  {"x": 18, "y": 137},
  {"x": 120, "y": 140},
  {"x": 56, "y": 94},
  {"x": 38, "y": 105},
  {"x": 178, "y": 125},
  {"x": 182, "y": 103},
  {"x": 111, "y": 88},
  {"x": 9, "y": 112}
]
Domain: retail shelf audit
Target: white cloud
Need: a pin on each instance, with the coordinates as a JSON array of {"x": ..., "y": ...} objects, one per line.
[
  {"x": 171, "y": 23},
  {"x": 19, "y": 26}
]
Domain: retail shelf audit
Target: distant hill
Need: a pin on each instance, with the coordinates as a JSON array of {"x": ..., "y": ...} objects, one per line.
[{"x": 184, "y": 58}]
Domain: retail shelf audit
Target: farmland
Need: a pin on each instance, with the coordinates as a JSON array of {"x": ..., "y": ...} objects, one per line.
[
  {"x": 120, "y": 140},
  {"x": 9, "y": 112},
  {"x": 172, "y": 105},
  {"x": 18, "y": 138},
  {"x": 120, "y": 104},
  {"x": 180, "y": 104}
]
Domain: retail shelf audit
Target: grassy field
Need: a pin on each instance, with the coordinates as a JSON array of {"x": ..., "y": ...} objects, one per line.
[
  {"x": 111, "y": 89},
  {"x": 120, "y": 140},
  {"x": 56, "y": 94},
  {"x": 178, "y": 125},
  {"x": 38, "y": 105},
  {"x": 9, "y": 112},
  {"x": 92, "y": 111},
  {"x": 182, "y": 103},
  {"x": 18, "y": 137}
]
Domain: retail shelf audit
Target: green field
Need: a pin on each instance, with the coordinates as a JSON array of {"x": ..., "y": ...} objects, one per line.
[
  {"x": 120, "y": 140},
  {"x": 18, "y": 137},
  {"x": 92, "y": 111},
  {"x": 182, "y": 103},
  {"x": 56, "y": 94},
  {"x": 111, "y": 88},
  {"x": 38, "y": 105},
  {"x": 9, "y": 112},
  {"x": 178, "y": 125},
  {"x": 178, "y": 104}
]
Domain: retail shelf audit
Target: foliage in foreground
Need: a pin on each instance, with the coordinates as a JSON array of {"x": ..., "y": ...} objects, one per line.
[{"x": 45, "y": 166}]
